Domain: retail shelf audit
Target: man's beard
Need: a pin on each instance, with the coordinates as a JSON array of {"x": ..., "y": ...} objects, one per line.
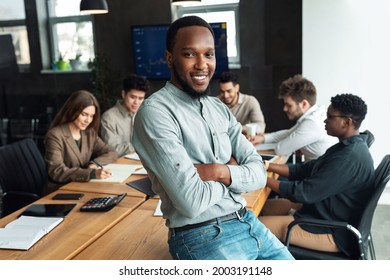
[{"x": 187, "y": 88}]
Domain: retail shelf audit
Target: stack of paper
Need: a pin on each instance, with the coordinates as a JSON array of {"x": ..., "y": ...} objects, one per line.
[{"x": 25, "y": 231}]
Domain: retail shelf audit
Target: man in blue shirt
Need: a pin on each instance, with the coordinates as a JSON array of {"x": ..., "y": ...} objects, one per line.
[
  {"x": 198, "y": 160},
  {"x": 333, "y": 187}
]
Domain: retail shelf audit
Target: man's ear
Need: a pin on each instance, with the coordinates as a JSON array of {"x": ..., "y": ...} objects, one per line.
[
  {"x": 237, "y": 86},
  {"x": 305, "y": 104},
  {"x": 123, "y": 94},
  {"x": 168, "y": 58},
  {"x": 349, "y": 122}
]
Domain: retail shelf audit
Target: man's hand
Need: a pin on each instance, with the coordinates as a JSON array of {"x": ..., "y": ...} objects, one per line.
[
  {"x": 273, "y": 184},
  {"x": 244, "y": 131},
  {"x": 232, "y": 161},
  {"x": 216, "y": 171},
  {"x": 257, "y": 139}
]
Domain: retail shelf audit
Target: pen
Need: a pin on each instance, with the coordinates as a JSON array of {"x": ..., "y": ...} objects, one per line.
[{"x": 98, "y": 164}]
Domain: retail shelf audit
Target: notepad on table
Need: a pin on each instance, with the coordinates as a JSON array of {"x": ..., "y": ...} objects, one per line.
[
  {"x": 25, "y": 231},
  {"x": 265, "y": 146},
  {"x": 120, "y": 172},
  {"x": 132, "y": 156}
]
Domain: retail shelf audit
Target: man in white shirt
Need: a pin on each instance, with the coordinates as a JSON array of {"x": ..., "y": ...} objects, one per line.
[
  {"x": 117, "y": 122},
  {"x": 308, "y": 135}
]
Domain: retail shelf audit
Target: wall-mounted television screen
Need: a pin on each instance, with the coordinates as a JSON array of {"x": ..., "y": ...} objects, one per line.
[{"x": 149, "y": 50}]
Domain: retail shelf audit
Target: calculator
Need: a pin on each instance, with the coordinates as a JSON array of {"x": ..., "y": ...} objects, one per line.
[{"x": 101, "y": 204}]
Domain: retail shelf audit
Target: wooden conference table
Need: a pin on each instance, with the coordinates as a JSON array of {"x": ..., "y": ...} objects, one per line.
[{"x": 128, "y": 231}]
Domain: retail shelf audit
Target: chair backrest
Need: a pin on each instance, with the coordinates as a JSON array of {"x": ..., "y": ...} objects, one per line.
[
  {"x": 382, "y": 177},
  {"x": 22, "y": 171},
  {"x": 20, "y": 128},
  {"x": 370, "y": 137}
]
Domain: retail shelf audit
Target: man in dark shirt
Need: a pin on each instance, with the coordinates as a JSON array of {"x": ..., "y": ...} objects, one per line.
[{"x": 333, "y": 187}]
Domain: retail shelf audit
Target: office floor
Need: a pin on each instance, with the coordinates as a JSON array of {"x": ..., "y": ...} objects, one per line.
[{"x": 380, "y": 229}]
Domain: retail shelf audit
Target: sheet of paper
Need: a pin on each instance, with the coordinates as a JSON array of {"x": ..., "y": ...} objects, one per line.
[
  {"x": 120, "y": 172},
  {"x": 157, "y": 211},
  {"x": 132, "y": 156},
  {"x": 265, "y": 146}
]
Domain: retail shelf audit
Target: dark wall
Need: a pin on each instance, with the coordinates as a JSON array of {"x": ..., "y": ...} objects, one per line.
[
  {"x": 271, "y": 51},
  {"x": 270, "y": 46}
]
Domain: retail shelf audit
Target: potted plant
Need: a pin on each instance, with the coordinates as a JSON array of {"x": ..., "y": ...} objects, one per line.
[
  {"x": 76, "y": 63},
  {"x": 62, "y": 64}
]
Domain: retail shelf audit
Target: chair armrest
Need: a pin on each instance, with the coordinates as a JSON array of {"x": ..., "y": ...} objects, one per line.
[
  {"x": 320, "y": 223},
  {"x": 17, "y": 193}
]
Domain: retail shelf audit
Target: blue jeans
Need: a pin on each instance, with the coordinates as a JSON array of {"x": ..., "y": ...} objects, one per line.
[{"x": 245, "y": 239}]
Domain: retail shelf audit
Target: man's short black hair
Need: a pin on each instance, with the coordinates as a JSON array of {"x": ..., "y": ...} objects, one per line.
[
  {"x": 137, "y": 82},
  {"x": 350, "y": 105},
  {"x": 227, "y": 77},
  {"x": 180, "y": 23}
]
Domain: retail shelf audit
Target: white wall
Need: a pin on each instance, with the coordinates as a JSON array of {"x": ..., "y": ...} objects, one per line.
[{"x": 346, "y": 49}]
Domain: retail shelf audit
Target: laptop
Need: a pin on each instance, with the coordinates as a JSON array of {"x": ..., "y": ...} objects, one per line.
[{"x": 143, "y": 185}]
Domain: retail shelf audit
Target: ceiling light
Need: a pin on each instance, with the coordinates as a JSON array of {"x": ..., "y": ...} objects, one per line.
[
  {"x": 185, "y": 2},
  {"x": 93, "y": 7}
]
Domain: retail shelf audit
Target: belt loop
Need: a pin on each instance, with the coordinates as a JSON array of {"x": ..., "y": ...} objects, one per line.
[
  {"x": 171, "y": 232},
  {"x": 238, "y": 215}
]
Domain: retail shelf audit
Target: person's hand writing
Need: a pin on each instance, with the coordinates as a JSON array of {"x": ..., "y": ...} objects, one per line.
[
  {"x": 103, "y": 173},
  {"x": 93, "y": 166}
]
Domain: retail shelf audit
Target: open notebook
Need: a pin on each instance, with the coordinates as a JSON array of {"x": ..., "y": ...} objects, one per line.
[
  {"x": 120, "y": 172},
  {"x": 34, "y": 223}
]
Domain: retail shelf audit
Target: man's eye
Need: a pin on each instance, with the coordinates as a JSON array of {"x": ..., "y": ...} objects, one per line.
[
  {"x": 210, "y": 55},
  {"x": 189, "y": 54}
]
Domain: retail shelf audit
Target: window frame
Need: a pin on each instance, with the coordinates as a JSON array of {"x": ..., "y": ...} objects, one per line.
[
  {"x": 234, "y": 62},
  {"x": 23, "y": 67},
  {"x": 53, "y": 20}
]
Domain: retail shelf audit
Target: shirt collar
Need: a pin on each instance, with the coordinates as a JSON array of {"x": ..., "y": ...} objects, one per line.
[
  {"x": 240, "y": 98},
  {"x": 355, "y": 139},
  {"x": 182, "y": 95},
  {"x": 311, "y": 110},
  {"x": 122, "y": 109}
]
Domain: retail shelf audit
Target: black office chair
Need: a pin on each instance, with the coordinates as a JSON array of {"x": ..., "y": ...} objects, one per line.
[
  {"x": 364, "y": 242},
  {"x": 370, "y": 137},
  {"x": 23, "y": 174}
]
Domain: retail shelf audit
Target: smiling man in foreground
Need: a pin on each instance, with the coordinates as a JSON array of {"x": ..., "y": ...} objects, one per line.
[{"x": 198, "y": 160}]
